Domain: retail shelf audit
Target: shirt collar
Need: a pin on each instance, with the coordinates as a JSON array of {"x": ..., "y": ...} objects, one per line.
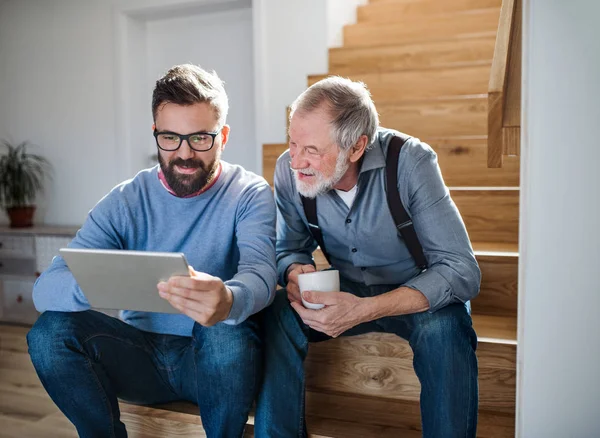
[{"x": 373, "y": 157}]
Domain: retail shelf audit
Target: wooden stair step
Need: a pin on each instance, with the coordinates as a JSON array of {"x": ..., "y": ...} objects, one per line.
[
  {"x": 448, "y": 117},
  {"x": 499, "y": 280},
  {"x": 482, "y": 22},
  {"x": 391, "y": 417},
  {"x": 390, "y": 12},
  {"x": 346, "y": 61},
  {"x": 181, "y": 419},
  {"x": 380, "y": 365},
  {"x": 328, "y": 415},
  {"x": 410, "y": 85},
  {"x": 495, "y": 328},
  {"x": 496, "y": 247},
  {"x": 463, "y": 161},
  {"x": 489, "y": 215}
]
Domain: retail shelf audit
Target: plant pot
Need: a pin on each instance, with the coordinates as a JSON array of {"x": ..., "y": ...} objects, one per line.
[{"x": 21, "y": 217}]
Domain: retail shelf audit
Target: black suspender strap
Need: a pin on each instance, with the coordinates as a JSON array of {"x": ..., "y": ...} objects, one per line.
[
  {"x": 310, "y": 210},
  {"x": 403, "y": 222}
]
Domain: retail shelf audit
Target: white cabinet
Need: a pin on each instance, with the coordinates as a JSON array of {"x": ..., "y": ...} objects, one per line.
[
  {"x": 24, "y": 254},
  {"x": 17, "y": 303}
]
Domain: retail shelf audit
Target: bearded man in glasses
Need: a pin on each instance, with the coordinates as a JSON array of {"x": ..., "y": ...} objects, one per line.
[{"x": 222, "y": 218}]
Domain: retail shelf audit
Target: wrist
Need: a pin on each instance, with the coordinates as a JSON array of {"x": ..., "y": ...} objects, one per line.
[
  {"x": 227, "y": 303},
  {"x": 371, "y": 309}
]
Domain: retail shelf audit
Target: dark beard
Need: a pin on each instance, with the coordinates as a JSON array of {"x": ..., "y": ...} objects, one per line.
[{"x": 186, "y": 185}]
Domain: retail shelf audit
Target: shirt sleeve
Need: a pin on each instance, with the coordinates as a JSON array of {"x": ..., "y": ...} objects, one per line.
[
  {"x": 453, "y": 274},
  {"x": 295, "y": 243},
  {"x": 253, "y": 286},
  {"x": 56, "y": 289}
]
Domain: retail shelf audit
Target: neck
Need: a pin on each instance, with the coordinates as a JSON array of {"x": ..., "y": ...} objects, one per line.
[{"x": 349, "y": 179}]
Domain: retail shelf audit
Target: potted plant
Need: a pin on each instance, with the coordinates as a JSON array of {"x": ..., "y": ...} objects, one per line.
[{"x": 22, "y": 176}]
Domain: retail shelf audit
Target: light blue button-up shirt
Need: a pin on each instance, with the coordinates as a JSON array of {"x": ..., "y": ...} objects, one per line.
[{"x": 362, "y": 241}]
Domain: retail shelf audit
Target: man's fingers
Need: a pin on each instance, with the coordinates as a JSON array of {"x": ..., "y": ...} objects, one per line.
[
  {"x": 293, "y": 292},
  {"x": 202, "y": 297},
  {"x": 308, "y": 268},
  {"x": 200, "y": 282},
  {"x": 309, "y": 316},
  {"x": 315, "y": 297},
  {"x": 181, "y": 302}
]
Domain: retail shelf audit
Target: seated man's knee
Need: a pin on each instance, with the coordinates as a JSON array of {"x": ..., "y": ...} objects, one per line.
[
  {"x": 448, "y": 328},
  {"x": 280, "y": 315},
  {"x": 47, "y": 337}
]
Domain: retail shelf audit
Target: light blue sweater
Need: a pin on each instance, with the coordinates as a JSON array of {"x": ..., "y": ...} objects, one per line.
[{"x": 227, "y": 231}]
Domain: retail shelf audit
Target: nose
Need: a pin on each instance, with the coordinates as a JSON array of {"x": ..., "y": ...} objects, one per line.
[{"x": 185, "y": 151}]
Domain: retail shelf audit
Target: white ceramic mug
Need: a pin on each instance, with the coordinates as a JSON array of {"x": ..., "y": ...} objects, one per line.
[{"x": 321, "y": 281}]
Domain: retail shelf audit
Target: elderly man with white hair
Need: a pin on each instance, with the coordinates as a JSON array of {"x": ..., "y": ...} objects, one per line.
[{"x": 375, "y": 201}]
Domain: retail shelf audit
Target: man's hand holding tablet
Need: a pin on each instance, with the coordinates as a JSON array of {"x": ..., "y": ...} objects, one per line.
[{"x": 200, "y": 296}]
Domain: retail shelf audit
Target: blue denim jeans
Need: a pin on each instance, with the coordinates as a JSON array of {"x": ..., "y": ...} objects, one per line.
[
  {"x": 443, "y": 344},
  {"x": 86, "y": 360}
]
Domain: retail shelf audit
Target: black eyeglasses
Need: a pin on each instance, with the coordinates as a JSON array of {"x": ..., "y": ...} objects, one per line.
[{"x": 197, "y": 141}]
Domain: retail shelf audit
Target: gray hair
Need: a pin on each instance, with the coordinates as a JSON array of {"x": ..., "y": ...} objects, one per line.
[
  {"x": 188, "y": 84},
  {"x": 350, "y": 105}
]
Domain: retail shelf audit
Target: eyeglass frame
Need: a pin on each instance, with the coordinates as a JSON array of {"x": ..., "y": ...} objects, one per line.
[{"x": 186, "y": 138}]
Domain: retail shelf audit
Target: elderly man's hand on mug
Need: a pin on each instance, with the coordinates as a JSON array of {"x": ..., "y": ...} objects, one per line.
[{"x": 293, "y": 291}]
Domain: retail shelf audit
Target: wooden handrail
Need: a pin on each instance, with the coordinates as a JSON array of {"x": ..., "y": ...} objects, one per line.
[{"x": 504, "y": 90}]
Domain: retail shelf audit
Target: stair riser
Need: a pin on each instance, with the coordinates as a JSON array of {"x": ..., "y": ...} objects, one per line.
[
  {"x": 391, "y": 12},
  {"x": 430, "y": 119},
  {"x": 464, "y": 164},
  {"x": 348, "y": 61},
  {"x": 499, "y": 292},
  {"x": 380, "y": 365},
  {"x": 407, "y": 31},
  {"x": 396, "y": 87}
]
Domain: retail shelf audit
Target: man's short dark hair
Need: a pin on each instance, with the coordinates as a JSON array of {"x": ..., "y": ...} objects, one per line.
[{"x": 189, "y": 84}]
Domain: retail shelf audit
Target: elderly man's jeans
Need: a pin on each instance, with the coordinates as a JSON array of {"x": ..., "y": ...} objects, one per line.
[
  {"x": 443, "y": 344},
  {"x": 86, "y": 360}
]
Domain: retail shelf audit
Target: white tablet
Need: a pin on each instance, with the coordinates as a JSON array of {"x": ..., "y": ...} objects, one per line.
[{"x": 124, "y": 280}]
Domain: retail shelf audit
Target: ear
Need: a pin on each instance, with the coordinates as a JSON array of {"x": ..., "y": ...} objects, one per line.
[
  {"x": 224, "y": 135},
  {"x": 153, "y": 127},
  {"x": 358, "y": 150}
]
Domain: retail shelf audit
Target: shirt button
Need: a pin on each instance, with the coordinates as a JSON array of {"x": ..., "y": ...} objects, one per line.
[
  {"x": 354, "y": 250},
  {"x": 348, "y": 221}
]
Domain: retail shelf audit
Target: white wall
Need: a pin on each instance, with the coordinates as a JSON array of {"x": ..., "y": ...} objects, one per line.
[
  {"x": 293, "y": 43},
  {"x": 74, "y": 79},
  {"x": 57, "y": 93},
  {"x": 339, "y": 14},
  {"x": 231, "y": 58},
  {"x": 62, "y": 89},
  {"x": 559, "y": 319}
]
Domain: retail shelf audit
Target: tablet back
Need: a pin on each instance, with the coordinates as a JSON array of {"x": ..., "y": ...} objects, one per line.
[{"x": 124, "y": 280}]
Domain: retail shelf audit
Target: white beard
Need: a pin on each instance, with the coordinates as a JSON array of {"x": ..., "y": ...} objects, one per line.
[{"x": 321, "y": 184}]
